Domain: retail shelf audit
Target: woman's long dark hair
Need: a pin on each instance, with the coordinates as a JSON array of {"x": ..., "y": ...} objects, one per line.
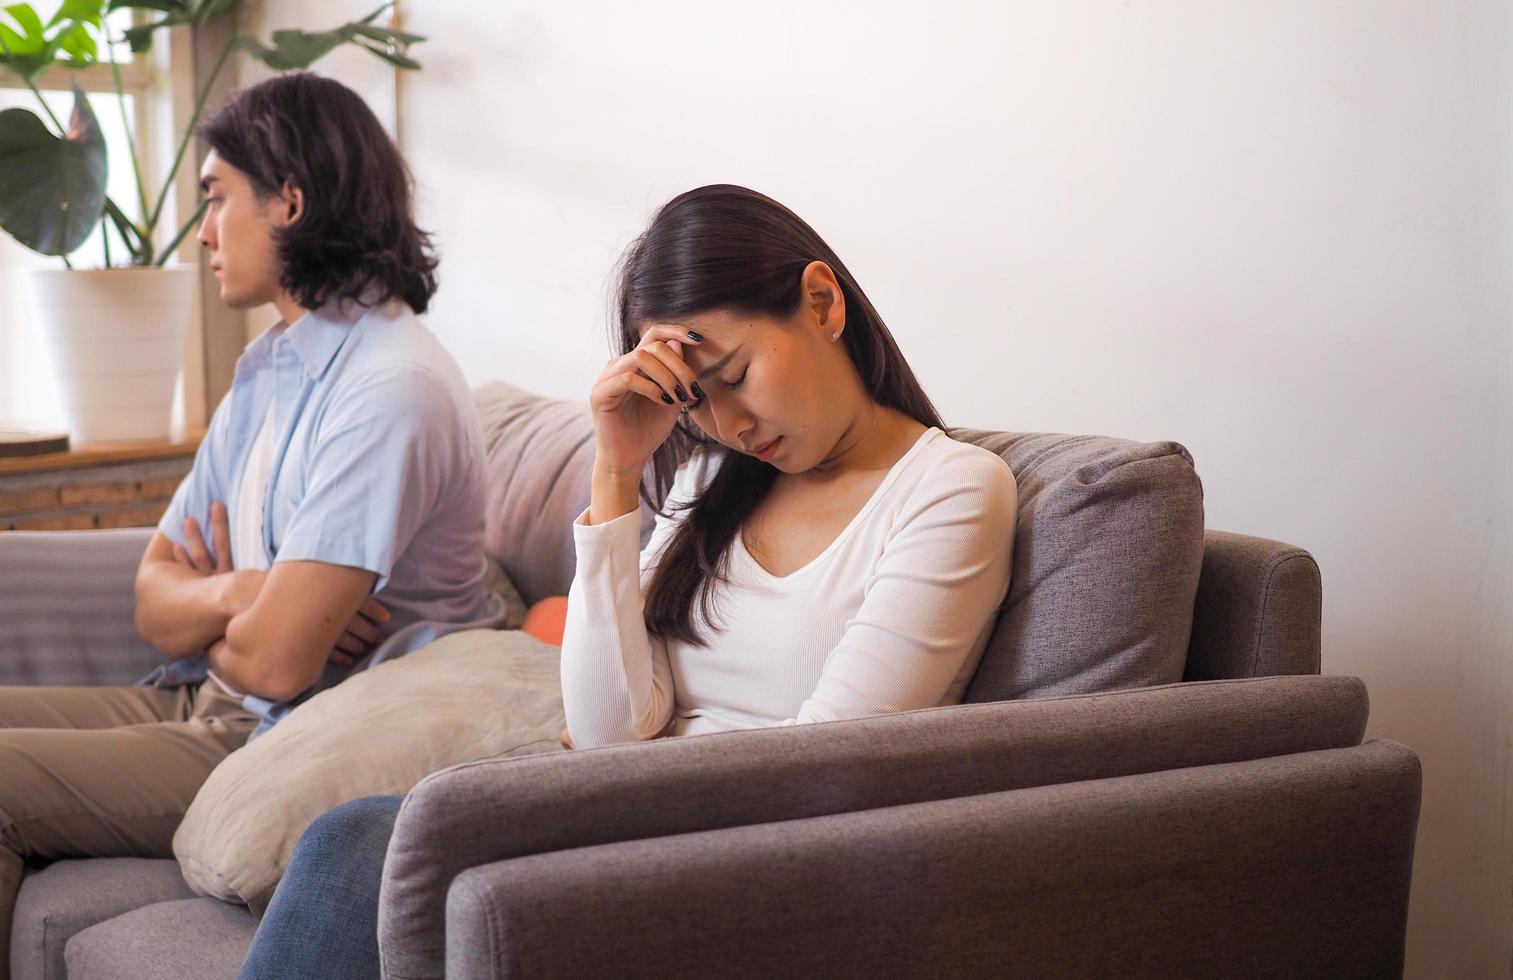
[
  {"x": 357, "y": 239},
  {"x": 729, "y": 249}
]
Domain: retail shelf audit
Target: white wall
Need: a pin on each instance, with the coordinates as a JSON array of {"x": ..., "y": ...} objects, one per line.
[{"x": 1279, "y": 233}]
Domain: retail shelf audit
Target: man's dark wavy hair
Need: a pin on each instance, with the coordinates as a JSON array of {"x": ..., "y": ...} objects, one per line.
[{"x": 357, "y": 239}]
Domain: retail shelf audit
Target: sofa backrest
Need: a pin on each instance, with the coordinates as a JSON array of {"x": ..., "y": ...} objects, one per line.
[{"x": 1108, "y": 545}]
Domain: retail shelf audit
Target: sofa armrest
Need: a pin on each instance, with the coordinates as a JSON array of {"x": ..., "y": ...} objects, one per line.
[
  {"x": 491, "y": 811},
  {"x": 66, "y": 607},
  {"x": 1291, "y": 866},
  {"x": 1258, "y": 612}
]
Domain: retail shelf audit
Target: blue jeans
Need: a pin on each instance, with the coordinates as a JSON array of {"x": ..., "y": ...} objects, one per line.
[{"x": 323, "y": 920}]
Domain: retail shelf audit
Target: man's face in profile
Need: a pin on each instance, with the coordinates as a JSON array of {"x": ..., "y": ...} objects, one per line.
[{"x": 238, "y": 231}]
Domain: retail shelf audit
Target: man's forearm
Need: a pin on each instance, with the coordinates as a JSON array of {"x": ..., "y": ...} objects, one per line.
[
  {"x": 182, "y": 612},
  {"x": 253, "y": 665},
  {"x": 277, "y": 647}
]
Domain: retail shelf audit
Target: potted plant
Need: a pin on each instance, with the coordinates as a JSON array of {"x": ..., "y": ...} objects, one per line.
[{"x": 116, "y": 333}]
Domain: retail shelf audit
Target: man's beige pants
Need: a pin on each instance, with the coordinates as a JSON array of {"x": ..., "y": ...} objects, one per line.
[{"x": 103, "y": 772}]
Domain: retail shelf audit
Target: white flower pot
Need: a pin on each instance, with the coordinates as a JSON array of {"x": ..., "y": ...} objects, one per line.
[{"x": 116, "y": 341}]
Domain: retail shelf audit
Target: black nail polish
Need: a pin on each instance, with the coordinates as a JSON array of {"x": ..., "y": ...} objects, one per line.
[
  {"x": 667, "y": 398},
  {"x": 678, "y": 390},
  {"x": 697, "y": 391},
  {"x": 695, "y": 336}
]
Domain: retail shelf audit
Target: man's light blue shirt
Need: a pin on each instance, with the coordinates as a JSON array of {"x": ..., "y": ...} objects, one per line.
[{"x": 378, "y": 464}]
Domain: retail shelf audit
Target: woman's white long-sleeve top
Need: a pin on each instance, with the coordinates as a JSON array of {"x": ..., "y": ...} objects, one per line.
[{"x": 893, "y": 615}]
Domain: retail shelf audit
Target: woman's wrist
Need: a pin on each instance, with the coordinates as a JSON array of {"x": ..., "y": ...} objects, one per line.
[{"x": 613, "y": 493}]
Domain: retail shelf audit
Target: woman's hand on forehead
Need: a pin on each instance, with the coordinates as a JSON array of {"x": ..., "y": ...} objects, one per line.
[
  {"x": 674, "y": 337},
  {"x": 636, "y": 402}
]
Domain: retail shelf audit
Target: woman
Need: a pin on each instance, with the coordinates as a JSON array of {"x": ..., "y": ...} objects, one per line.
[{"x": 824, "y": 551}]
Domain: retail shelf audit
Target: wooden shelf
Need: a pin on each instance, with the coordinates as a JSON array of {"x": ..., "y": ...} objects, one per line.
[{"x": 103, "y": 454}]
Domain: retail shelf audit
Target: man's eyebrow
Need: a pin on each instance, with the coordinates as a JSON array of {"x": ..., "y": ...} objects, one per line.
[{"x": 715, "y": 367}]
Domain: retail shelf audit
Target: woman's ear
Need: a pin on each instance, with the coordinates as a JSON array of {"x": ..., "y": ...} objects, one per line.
[
  {"x": 824, "y": 300},
  {"x": 292, "y": 203}
]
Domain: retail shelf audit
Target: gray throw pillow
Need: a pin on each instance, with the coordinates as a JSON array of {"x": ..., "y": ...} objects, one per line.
[{"x": 1107, "y": 551}]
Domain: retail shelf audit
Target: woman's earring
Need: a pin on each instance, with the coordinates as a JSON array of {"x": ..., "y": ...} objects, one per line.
[{"x": 834, "y": 336}]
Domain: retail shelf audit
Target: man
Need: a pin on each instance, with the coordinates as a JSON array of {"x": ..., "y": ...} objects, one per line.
[{"x": 334, "y": 513}]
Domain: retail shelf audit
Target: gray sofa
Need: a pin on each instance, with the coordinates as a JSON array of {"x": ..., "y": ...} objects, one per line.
[{"x": 1150, "y": 778}]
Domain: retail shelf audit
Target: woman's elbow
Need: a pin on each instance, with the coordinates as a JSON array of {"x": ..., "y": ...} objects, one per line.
[
  {"x": 589, "y": 732},
  {"x": 586, "y": 734}
]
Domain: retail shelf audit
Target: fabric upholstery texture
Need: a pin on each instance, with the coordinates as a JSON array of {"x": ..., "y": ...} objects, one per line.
[
  {"x": 1259, "y": 610},
  {"x": 531, "y": 508},
  {"x": 1106, "y": 557},
  {"x": 66, "y": 601},
  {"x": 1107, "y": 551},
  {"x": 189, "y": 939},
  {"x": 491, "y": 811},
  {"x": 1279, "y": 867},
  {"x": 478, "y": 694},
  {"x": 67, "y": 897}
]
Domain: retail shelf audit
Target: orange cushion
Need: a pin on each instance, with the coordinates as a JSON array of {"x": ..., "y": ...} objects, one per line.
[{"x": 547, "y": 619}]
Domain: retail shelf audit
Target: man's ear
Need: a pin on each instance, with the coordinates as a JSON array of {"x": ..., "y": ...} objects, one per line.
[
  {"x": 824, "y": 299},
  {"x": 291, "y": 203}
]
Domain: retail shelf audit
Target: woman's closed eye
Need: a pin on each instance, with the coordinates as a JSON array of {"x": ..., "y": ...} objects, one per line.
[{"x": 731, "y": 384}]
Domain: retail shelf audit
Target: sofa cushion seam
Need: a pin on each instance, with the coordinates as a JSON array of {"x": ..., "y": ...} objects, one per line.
[{"x": 46, "y": 921}]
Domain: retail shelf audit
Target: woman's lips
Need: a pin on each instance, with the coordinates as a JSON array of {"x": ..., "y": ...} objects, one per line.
[{"x": 766, "y": 452}]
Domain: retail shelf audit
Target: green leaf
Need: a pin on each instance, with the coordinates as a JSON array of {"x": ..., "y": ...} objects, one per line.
[
  {"x": 79, "y": 44},
  {"x": 385, "y": 36},
  {"x": 26, "y": 18},
  {"x": 175, "y": 12},
  {"x": 300, "y": 49},
  {"x": 23, "y": 48},
  {"x": 23, "y": 56},
  {"x": 15, "y": 46},
  {"x": 27, "y": 49},
  {"x": 80, "y": 12},
  {"x": 293, "y": 49},
  {"x": 140, "y": 37},
  {"x": 161, "y": 6},
  {"x": 52, "y": 191}
]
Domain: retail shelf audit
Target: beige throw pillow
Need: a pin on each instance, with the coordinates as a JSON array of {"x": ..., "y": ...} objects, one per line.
[{"x": 478, "y": 694}]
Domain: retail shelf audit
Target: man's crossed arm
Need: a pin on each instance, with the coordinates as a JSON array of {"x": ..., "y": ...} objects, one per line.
[{"x": 268, "y": 633}]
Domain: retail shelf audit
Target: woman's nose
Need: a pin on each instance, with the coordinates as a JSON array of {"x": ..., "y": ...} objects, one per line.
[{"x": 729, "y": 418}]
